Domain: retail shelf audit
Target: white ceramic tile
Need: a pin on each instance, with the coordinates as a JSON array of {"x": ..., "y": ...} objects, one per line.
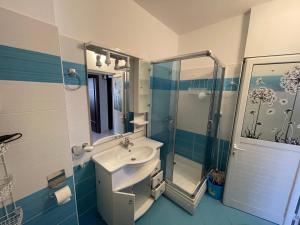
[
  {"x": 192, "y": 112},
  {"x": 77, "y": 114},
  {"x": 71, "y": 50},
  {"x": 228, "y": 109},
  {"x": 20, "y": 96},
  {"x": 37, "y": 110},
  {"x": 28, "y": 33}
]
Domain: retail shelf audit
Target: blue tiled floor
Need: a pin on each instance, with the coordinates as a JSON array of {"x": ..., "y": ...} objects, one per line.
[
  {"x": 91, "y": 218},
  {"x": 209, "y": 212}
]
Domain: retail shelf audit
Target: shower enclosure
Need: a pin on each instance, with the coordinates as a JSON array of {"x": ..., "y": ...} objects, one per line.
[{"x": 185, "y": 114}]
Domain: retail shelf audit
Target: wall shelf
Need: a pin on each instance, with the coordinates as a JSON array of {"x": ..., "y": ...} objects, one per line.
[{"x": 139, "y": 122}]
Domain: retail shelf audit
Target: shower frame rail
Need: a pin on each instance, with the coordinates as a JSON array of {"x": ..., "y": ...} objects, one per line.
[{"x": 205, "y": 53}]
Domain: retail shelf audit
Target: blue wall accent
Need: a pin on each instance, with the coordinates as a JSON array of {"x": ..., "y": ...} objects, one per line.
[
  {"x": 85, "y": 185},
  {"x": 41, "y": 208},
  {"x": 162, "y": 84},
  {"x": 81, "y": 73},
  {"x": 167, "y": 84},
  {"x": 192, "y": 146},
  {"x": 24, "y": 65}
]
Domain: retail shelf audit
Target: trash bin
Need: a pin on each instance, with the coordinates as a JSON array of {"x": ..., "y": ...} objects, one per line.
[{"x": 214, "y": 190}]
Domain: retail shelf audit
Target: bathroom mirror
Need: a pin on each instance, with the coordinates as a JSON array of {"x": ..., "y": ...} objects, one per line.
[{"x": 110, "y": 92}]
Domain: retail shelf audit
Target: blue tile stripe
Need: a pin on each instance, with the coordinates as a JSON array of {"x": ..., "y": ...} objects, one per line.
[
  {"x": 192, "y": 146},
  {"x": 162, "y": 84},
  {"x": 41, "y": 208},
  {"x": 230, "y": 84},
  {"x": 81, "y": 73},
  {"x": 24, "y": 65}
]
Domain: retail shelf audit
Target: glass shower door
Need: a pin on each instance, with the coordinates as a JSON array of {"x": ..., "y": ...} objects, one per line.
[
  {"x": 164, "y": 85},
  {"x": 212, "y": 160}
]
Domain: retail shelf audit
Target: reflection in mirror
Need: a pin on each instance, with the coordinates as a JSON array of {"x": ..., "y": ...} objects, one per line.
[
  {"x": 110, "y": 92},
  {"x": 273, "y": 105}
]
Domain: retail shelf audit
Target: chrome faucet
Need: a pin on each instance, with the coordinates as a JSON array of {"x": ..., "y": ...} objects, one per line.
[{"x": 126, "y": 142}]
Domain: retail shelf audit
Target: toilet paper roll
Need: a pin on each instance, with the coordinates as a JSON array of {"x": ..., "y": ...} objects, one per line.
[{"x": 63, "y": 195}]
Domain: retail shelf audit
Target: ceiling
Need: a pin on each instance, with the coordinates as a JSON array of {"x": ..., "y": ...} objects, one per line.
[{"x": 183, "y": 16}]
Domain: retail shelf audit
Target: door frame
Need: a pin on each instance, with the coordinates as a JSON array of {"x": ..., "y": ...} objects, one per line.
[
  {"x": 97, "y": 73},
  {"x": 97, "y": 102}
]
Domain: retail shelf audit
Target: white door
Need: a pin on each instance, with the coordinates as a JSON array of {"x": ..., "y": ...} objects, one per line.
[
  {"x": 293, "y": 211},
  {"x": 265, "y": 151},
  {"x": 123, "y": 213},
  {"x": 118, "y": 103}
]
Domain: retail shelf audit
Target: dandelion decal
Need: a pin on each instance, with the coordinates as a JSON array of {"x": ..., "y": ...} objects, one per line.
[
  {"x": 290, "y": 81},
  {"x": 259, "y": 96},
  {"x": 259, "y": 81},
  {"x": 270, "y": 111},
  {"x": 283, "y": 101},
  {"x": 263, "y": 95},
  {"x": 273, "y": 94}
]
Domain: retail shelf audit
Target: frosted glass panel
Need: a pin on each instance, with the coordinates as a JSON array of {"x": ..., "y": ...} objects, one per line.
[
  {"x": 273, "y": 105},
  {"x": 164, "y": 85}
]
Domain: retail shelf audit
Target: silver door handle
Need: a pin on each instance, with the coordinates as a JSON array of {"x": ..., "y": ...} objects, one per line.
[{"x": 235, "y": 146}]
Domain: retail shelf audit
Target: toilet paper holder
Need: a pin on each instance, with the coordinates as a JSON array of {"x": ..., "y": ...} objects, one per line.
[{"x": 57, "y": 179}]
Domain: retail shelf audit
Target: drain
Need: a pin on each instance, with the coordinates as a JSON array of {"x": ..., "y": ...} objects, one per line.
[{"x": 133, "y": 159}]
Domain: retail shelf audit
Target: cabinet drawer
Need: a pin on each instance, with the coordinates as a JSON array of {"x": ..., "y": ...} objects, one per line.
[
  {"x": 156, "y": 169},
  {"x": 157, "y": 179},
  {"x": 156, "y": 193}
]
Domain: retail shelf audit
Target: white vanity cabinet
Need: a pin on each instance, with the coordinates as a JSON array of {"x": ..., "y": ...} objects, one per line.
[{"x": 126, "y": 193}]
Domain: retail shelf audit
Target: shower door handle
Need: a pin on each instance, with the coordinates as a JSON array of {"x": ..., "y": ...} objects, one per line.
[
  {"x": 210, "y": 123},
  {"x": 171, "y": 124},
  {"x": 237, "y": 148}
]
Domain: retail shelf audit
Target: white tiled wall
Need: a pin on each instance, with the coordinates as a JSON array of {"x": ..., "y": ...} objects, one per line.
[{"x": 33, "y": 108}]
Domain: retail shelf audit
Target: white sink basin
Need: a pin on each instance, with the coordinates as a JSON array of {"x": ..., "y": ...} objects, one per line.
[
  {"x": 143, "y": 150},
  {"x": 136, "y": 155}
]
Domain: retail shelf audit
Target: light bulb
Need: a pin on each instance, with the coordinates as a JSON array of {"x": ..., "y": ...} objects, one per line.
[
  {"x": 127, "y": 64},
  {"x": 117, "y": 67},
  {"x": 98, "y": 60},
  {"x": 107, "y": 60}
]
